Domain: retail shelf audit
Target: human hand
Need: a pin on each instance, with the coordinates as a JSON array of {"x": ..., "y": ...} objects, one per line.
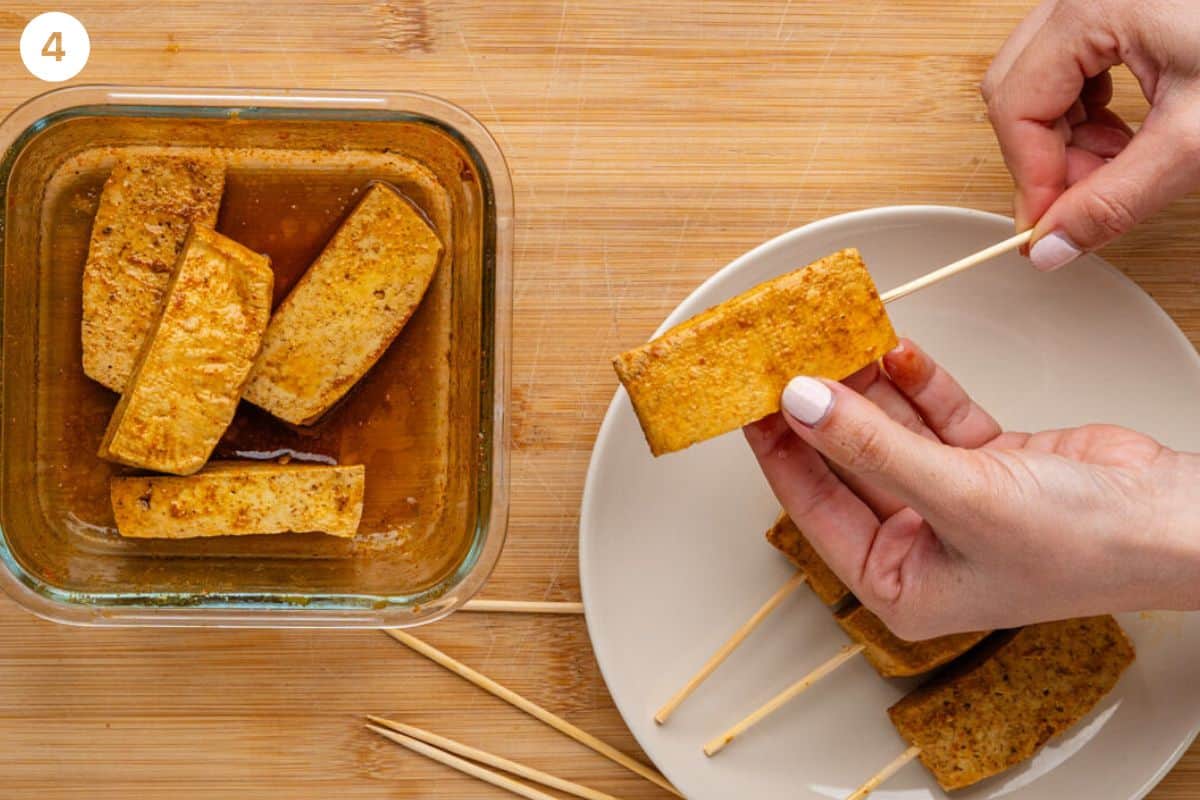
[
  {"x": 940, "y": 522},
  {"x": 1082, "y": 175}
]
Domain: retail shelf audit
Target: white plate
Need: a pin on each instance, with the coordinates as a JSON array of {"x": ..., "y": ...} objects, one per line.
[{"x": 672, "y": 556}]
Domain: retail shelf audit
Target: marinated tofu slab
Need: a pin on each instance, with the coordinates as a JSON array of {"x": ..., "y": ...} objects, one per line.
[
  {"x": 998, "y": 708},
  {"x": 186, "y": 383},
  {"x": 349, "y": 306},
  {"x": 786, "y": 537},
  {"x": 727, "y": 367},
  {"x": 237, "y": 498},
  {"x": 141, "y": 223},
  {"x": 893, "y": 657}
]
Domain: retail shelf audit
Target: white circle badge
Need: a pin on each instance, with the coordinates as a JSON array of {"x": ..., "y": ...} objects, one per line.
[{"x": 55, "y": 46}]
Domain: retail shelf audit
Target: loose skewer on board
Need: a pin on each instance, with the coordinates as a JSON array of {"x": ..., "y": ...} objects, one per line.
[
  {"x": 462, "y": 765},
  {"x": 483, "y": 757},
  {"x": 523, "y": 606},
  {"x": 529, "y": 707},
  {"x": 793, "y": 583}
]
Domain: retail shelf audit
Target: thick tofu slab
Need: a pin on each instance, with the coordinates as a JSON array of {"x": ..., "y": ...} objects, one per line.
[
  {"x": 349, "y": 306},
  {"x": 236, "y": 498},
  {"x": 727, "y": 367},
  {"x": 894, "y": 657},
  {"x": 998, "y": 708},
  {"x": 145, "y": 209},
  {"x": 786, "y": 538},
  {"x": 186, "y": 383}
]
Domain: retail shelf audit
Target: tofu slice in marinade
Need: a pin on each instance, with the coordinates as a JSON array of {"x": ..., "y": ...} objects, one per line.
[
  {"x": 235, "y": 498},
  {"x": 345, "y": 311},
  {"x": 145, "y": 209},
  {"x": 189, "y": 376}
]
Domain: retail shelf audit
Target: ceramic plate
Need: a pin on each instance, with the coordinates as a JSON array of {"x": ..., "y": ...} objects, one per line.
[{"x": 672, "y": 555}]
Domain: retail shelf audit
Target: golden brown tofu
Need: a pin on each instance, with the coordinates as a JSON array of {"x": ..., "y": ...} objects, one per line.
[
  {"x": 145, "y": 209},
  {"x": 727, "y": 367},
  {"x": 893, "y": 657},
  {"x": 186, "y": 383},
  {"x": 999, "y": 706},
  {"x": 786, "y": 538},
  {"x": 233, "y": 498},
  {"x": 349, "y": 306}
]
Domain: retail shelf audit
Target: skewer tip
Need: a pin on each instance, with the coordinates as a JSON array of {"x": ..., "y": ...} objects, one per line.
[{"x": 717, "y": 745}]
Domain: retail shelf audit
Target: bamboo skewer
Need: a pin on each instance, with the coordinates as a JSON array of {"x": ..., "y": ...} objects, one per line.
[
  {"x": 488, "y": 759},
  {"x": 888, "y": 771},
  {"x": 531, "y": 708},
  {"x": 730, "y": 645},
  {"x": 783, "y": 698},
  {"x": 462, "y": 765},
  {"x": 523, "y": 606},
  {"x": 1000, "y": 248}
]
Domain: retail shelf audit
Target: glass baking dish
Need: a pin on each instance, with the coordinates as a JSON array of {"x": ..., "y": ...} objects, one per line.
[{"x": 428, "y": 421}]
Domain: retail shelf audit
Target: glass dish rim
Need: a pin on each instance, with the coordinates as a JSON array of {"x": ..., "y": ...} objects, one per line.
[{"x": 258, "y": 609}]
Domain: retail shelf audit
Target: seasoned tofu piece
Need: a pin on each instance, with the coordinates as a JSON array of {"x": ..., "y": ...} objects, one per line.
[
  {"x": 727, "y": 367},
  {"x": 145, "y": 209},
  {"x": 894, "y": 657},
  {"x": 233, "y": 498},
  {"x": 349, "y": 306},
  {"x": 187, "y": 380},
  {"x": 786, "y": 538},
  {"x": 1020, "y": 689}
]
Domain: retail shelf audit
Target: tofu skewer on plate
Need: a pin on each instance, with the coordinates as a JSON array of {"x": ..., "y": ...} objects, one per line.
[
  {"x": 1000, "y": 705},
  {"x": 891, "y": 656}
]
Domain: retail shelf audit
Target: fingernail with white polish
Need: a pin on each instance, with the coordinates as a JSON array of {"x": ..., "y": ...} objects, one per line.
[
  {"x": 807, "y": 399},
  {"x": 1053, "y": 251}
]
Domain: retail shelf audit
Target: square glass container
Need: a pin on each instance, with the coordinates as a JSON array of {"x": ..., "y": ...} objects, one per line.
[{"x": 428, "y": 421}]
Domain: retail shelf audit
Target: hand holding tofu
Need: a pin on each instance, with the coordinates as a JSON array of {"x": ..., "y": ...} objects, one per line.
[{"x": 952, "y": 524}]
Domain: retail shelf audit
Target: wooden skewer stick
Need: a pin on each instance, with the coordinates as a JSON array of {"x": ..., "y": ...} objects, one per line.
[
  {"x": 523, "y": 606},
  {"x": 488, "y": 759},
  {"x": 783, "y": 698},
  {"x": 532, "y": 709},
  {"x": 937, "y": 275},
  {"x": 879, "y": 777},
  {"x": 462, "y": 765},
  {"x": 723, "y": 653}
]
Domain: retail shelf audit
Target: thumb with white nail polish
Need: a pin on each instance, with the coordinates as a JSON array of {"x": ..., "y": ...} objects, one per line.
[
  {"x": 1053, "y": 251},
  {"x": 807, "y": 399}
]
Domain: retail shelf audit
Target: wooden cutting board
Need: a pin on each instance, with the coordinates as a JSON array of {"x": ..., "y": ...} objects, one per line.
[{"x": 650, "y": 143}]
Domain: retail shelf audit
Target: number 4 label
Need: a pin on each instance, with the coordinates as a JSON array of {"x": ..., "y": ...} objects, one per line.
[{"x": 55, "y": 46}]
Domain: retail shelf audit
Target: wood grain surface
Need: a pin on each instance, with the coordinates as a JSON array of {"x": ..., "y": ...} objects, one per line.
[{"x": 650, "y": 143}]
